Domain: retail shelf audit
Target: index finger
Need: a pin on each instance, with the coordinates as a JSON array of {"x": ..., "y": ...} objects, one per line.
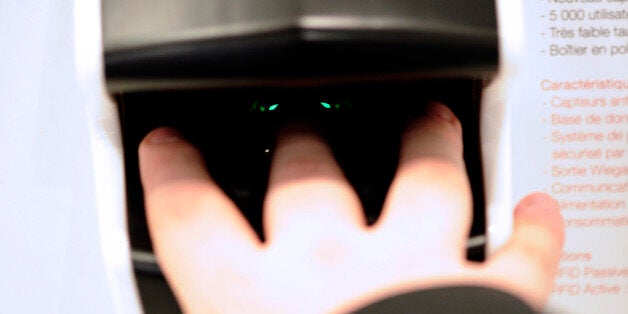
[
  {"x": 198, "y": 233},
  {"x": 180, "y": 195}
]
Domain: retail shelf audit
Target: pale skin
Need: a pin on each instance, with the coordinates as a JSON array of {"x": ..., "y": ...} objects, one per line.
[{"x": 319, "y": 255}]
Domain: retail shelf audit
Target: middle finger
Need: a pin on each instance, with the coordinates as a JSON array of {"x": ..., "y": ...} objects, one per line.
[{"x": 308, "y": 192}]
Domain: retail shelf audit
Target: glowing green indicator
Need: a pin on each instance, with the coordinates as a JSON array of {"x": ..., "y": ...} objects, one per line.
[
  {"x": 257, "y": 107},
  {"x": 254, "y": 107},
  {"x": 334, "y": 104}
]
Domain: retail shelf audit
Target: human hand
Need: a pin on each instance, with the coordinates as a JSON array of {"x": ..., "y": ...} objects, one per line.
[{"x": 319, "y": 254}]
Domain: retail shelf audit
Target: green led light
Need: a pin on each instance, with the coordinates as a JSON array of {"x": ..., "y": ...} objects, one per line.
[
  {"x": 334, "y": 104},
  {"x": 258, "y": 107},
  {"x": 255, "y": 106}
]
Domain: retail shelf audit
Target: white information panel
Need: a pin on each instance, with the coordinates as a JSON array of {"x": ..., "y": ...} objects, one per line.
[{"x": 567, "y": 106}]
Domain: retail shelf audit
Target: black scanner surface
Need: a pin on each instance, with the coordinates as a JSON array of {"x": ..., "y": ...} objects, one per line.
[
  {"x": 237, "y": 138},
  {"x": 270, "y": 39},
  {"x": 303, "y": 53}
]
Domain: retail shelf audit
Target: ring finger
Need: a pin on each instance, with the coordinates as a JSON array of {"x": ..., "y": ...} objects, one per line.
[{"x": 431, "y": 188}]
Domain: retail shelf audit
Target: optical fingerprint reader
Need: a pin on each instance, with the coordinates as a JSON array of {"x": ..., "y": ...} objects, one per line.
[
  {"x": 235, "y": 129},
  {"x": 229, "y": 73}
]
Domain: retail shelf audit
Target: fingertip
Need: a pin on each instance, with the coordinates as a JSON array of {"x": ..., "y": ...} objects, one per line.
[
  {"x": 436, "y": 135},
  {"x": 527, "y": 264},
  {"x": 306, "y": 187},
  {"x": 439, "y": 110},
  {"x": 431, "y": 182},
  {"x": 152, "y": 146},
  {"x": 162, "y": 135},
  {"x": 538, "y": 225},
  {"x": 543, "y": 210},
  {"x": 539, "y": 200},
  {"x": 184, "y": 205}
]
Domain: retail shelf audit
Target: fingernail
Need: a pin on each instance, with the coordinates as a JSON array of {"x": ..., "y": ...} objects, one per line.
[
  {"x": 439, "y": 110},
  {"x": 540, "y": 202},
  {"x": 163, "y": 135}
]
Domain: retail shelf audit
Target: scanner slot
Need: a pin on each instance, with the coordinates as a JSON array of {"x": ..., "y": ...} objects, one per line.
[{"x": 237, "y": 136}]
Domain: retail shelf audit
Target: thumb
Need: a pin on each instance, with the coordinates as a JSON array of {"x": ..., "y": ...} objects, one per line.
[{"x": 528, "y": 262}]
